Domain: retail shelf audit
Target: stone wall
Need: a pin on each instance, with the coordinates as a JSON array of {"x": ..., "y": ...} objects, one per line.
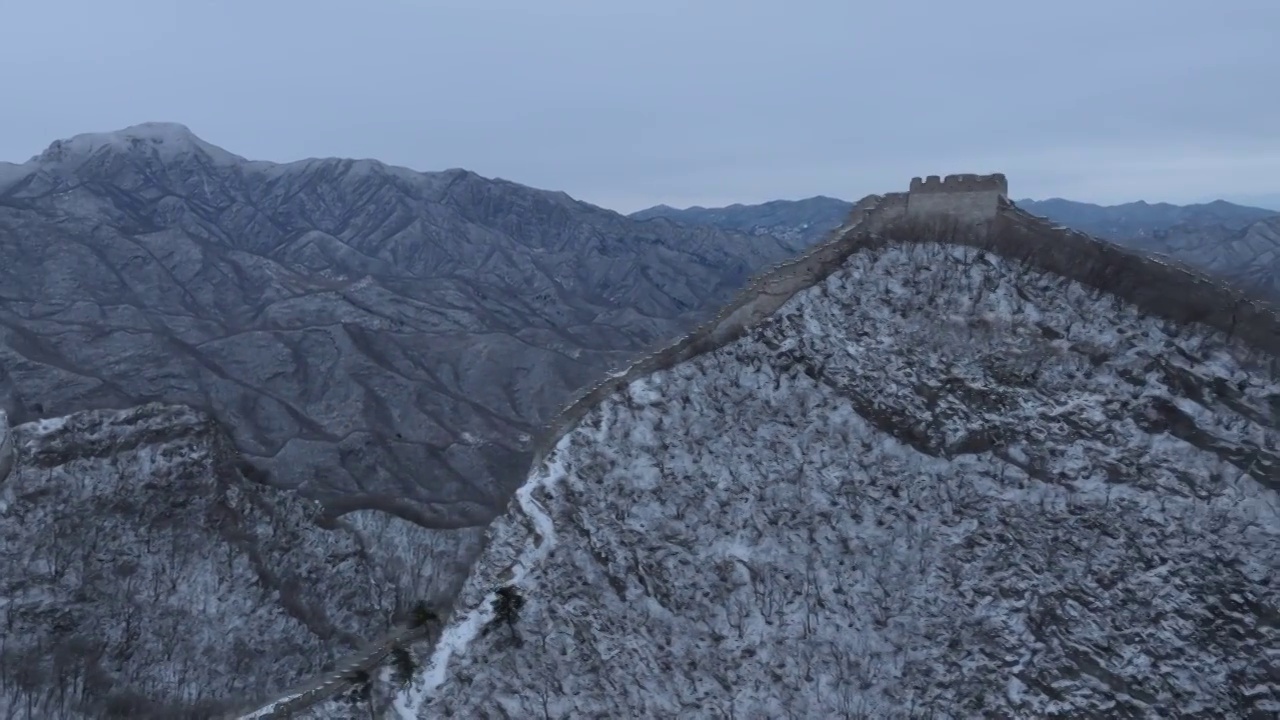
[
  {"x": 1159, "y": 286},
  {"x": 972, "y": 198},
  {"x": 892, "y": 207}
]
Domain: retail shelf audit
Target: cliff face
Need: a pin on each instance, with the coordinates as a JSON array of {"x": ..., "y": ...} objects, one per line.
[
  {"x": 939, "y": 480},
  {"x": 143, "y": 576}
]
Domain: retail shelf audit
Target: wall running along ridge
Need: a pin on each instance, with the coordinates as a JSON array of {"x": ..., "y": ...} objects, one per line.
[{"x": 971, "y": 210}]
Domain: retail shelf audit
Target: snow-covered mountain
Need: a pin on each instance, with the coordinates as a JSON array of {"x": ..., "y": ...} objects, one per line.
[
  {"x": 1008, "y": 471},
  {"x": 377, "y": 339},
  {"x": 143, "y": 575},
  {"x": 373, "y": 336}
]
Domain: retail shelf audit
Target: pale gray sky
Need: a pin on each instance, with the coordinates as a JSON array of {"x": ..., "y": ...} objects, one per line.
[{"x": 628, "y": 104}]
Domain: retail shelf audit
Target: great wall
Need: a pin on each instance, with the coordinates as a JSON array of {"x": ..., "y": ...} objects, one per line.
[{"x": 971, "y": 210}]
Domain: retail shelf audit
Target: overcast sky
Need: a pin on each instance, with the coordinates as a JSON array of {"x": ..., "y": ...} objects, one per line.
[{"x": 629, "y": 104}]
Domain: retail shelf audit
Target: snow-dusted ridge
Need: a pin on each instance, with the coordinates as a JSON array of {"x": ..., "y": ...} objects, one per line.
[
  {"x": 1162, "y": 287},
  {"x": 790, "y": 304},
  {"x": 169, "y": 142},
  {"x": 168, "y": 139},
  {"x": 763, "y": 295}
]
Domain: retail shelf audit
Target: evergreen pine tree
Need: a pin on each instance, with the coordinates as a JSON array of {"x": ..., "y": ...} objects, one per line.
[{"x": 403, "y": 665}]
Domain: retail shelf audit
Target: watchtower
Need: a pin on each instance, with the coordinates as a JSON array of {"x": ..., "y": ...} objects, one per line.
[{"x": 972, "y": 198}]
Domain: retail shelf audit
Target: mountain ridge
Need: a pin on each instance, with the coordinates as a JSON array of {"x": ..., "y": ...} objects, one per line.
[
  {"x": 620, "y": 567},
  {"x": 372, "y": 261}
]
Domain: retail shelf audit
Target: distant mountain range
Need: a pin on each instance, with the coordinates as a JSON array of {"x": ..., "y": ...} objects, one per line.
[
  {"x": 375, "y": 336},
  {"x": 797, "y": 221},
  {"x": 1141, "y": 219},
  {"x": 1237, "y": 242}
]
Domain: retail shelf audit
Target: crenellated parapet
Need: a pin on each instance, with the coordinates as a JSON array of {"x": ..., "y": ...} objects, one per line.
[
  {"x": 966, "y": 197},
  {"x": 964, "y": 182}
]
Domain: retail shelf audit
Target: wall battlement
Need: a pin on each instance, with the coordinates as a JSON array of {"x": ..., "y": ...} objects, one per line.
[
  {"x": 972, "y": 198},
  {"x": 964, "y": 182}
]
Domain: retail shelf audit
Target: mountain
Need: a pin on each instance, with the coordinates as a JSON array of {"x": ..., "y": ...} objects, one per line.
[
  {"x": 1263, "y": 200},
  {"x": 373, "y": 336},
  {"x": 147, "y": 575},
  {"x": 1249, "y": 256},
  {"x": 998, "y": 470},
  {"x": 799, "y": 223},
  {"x": 1136, "y": 220}
]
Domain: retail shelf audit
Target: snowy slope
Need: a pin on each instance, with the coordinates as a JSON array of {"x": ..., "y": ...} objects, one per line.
[
  {"x": 143, "y": 576},
  {"x": 376, "y": 337},
  {"x": 937, "y": 484}
]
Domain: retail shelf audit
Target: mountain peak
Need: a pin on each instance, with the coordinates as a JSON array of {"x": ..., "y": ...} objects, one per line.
[{"x": 166, "y": 139}]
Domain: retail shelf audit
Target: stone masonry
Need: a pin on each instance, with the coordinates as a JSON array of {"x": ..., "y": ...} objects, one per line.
[{"x": 969, "y": 198}]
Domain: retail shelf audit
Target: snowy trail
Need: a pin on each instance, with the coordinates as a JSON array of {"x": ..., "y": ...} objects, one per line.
[{"x": 458, "y": 636}]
